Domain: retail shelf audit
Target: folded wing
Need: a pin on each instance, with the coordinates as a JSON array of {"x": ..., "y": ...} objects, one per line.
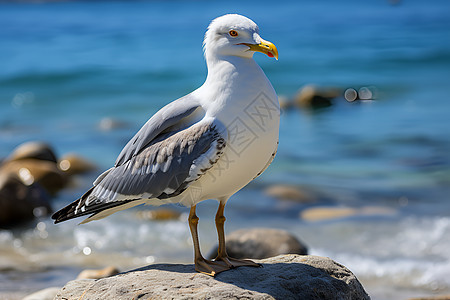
[{"x": 172, "y": 150}]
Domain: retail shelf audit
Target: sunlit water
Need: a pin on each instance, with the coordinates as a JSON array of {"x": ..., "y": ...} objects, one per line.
[{"x": 65, "y": 67}]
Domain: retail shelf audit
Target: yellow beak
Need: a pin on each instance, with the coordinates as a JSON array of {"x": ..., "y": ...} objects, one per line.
[{"x": 265, "y": 47}]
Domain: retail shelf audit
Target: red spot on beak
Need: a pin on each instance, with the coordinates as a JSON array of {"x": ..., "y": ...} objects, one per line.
[{"x": 269, "y": 54}]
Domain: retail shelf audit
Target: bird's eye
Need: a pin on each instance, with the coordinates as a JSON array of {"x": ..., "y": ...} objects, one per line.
[{"x": 233, "y": 33}]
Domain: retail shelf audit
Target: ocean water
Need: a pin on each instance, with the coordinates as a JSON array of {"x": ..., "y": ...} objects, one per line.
[{"x": 65, "y": 67}]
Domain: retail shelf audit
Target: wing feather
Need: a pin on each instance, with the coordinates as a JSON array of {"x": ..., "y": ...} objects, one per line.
[
  {"x": 164, "y": 168},
  {"x": 165, "y": 118}
]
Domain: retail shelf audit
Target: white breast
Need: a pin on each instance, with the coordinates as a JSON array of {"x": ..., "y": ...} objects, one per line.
[{"x": 250, "y": 111}]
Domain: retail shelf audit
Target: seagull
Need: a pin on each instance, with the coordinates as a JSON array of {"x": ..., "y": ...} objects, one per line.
[{"x": 206, "y": 145}]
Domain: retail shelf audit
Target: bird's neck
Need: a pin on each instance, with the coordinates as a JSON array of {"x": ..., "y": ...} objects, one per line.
[
  {"x": 233, "y": 81},
  {"x": 224, "y": 72}
]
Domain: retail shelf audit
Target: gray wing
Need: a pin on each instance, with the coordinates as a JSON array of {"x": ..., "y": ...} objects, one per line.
[
  {"x": 167, "y": 153},
  {"x": 162, "y": 169},
  {"x": 168, "y": 116}
]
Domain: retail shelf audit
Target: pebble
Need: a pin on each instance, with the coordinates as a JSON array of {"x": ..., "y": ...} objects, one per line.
[
  {"x": 330, "y": 213},
  {"x": 108, "y": 124},
  {"x": 286, "y": 192}
]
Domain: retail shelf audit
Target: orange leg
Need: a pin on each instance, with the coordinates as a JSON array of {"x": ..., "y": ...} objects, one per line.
[
  {"x": 201, "y": 264},
  {"x": 222, "y": 256}
]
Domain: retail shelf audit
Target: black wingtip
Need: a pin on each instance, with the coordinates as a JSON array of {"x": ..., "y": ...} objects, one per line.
[
  {"x": 65, "y": 213},
  {"x": 68, "y": 212}
]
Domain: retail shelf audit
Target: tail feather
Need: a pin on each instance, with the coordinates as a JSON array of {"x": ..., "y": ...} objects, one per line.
[
  {"x": 79, "y": 208},
  {"x": 69, "y": 212}
]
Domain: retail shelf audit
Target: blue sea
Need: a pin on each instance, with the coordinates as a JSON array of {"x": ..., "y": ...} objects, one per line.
[{"x": 69, "y": 68}]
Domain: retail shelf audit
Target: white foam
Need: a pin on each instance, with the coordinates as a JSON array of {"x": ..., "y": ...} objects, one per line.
[{"x": 410, "y": 254}]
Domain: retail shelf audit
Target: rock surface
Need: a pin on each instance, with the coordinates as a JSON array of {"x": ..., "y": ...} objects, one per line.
[
  {"x": 261, "y": 243},
  {"x": 282, "y": 277}
]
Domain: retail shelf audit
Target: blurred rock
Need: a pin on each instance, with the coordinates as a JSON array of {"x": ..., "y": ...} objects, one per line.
[
  {"x": 160, "y": 214},
  {"x": 73, "y": 164},
  {"x": 35, "y": 162},
  {"x": 34, "y": 150},
  {"x": 19, "y": 202},
  {"x": 261, "y": 243},
  {"x": 326, "y": 213},
  {"x": 311, "y": 96},
  {"x": 330, "y": 213},
  {"x": 30, "y": 171},
  {"x": 282, "y": 277},
  {"x": 286, "y": 192},
  {"x": 97, "y": 274},
  {"x": 107, "y": 124},
  {"x": 45, "y": 294}
]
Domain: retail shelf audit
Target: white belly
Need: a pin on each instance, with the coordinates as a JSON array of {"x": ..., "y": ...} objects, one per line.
[{"x": 251, "y": 145}]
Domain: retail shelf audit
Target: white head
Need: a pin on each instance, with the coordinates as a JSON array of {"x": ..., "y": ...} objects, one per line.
[{"x": 235, "y": 35}]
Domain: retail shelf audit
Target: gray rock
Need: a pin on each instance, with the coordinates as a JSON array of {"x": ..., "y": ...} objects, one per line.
[
  {"x": 282, "y": 277},
  {"x": 261, "y": 243},
  {"x": 19, "y": 202}
]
